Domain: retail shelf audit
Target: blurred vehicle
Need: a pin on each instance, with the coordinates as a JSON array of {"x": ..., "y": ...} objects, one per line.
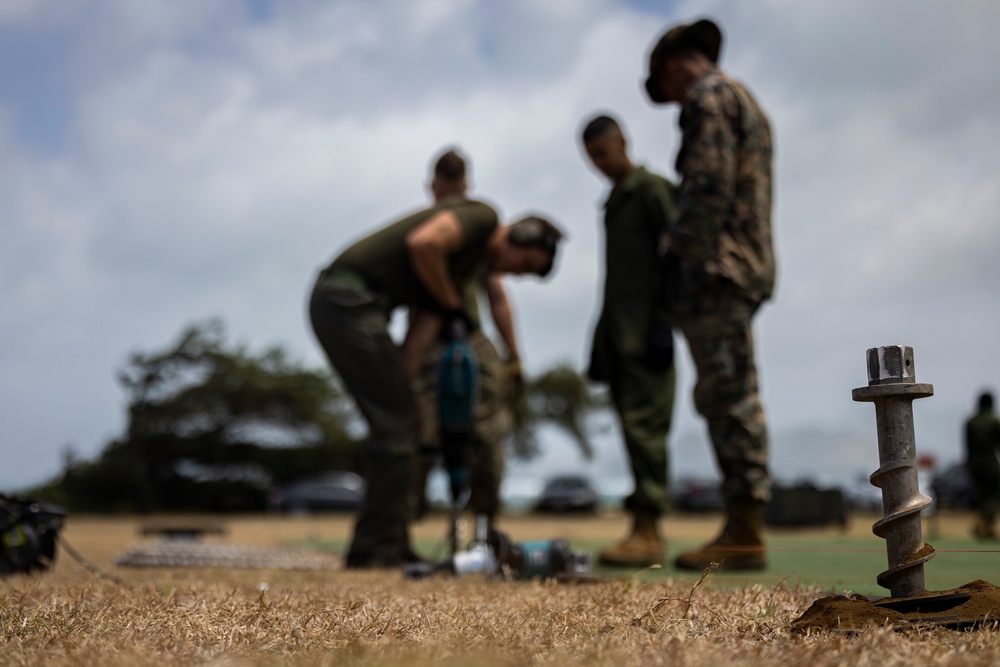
[
  {"x": 805, "y": 504},
  {"x": 697, "y": 495},
  {"x": 569, "y": 493},
  {"x": 863, "y": 496},
  {"x": 952, "y": 487},
  {"x": 333, "y": 491}
]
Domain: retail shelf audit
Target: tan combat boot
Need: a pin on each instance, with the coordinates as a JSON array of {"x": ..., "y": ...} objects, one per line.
[
  {"x": 740, "y": 546},
  {"x": 644, "y": 547}
]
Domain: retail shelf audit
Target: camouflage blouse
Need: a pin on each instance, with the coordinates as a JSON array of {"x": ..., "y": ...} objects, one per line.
[{"x": 722, "y": 226}]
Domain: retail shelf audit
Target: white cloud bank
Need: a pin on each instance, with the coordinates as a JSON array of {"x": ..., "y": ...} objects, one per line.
[{"x": 211, "y": 162}]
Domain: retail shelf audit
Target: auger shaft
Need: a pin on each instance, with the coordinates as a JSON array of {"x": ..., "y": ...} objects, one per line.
[{"x": 892, "y": 387}]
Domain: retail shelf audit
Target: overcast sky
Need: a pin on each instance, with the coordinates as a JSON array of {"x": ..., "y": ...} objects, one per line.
[{"x": 169, "y": 161}]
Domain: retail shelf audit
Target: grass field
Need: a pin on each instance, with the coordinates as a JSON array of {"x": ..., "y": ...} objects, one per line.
[
  {"x": 212, "y": 616},
  {"x": 833, "y": 559}
]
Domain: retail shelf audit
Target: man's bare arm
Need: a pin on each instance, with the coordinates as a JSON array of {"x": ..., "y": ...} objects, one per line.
[
  {"x": 429, "y": 246},
  {"x": 420, "y": 335},
  {"x": 503, "y": 315}
]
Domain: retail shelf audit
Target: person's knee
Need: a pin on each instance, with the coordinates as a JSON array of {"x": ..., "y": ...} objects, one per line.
[
  {"x": 725, "y": 398},
  {"x": 397, "y": 437}
]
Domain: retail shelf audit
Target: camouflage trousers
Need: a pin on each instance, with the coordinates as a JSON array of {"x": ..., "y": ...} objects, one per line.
[
  {"x": 718, "y": 330},
  {"x": 493, "y": 423}
]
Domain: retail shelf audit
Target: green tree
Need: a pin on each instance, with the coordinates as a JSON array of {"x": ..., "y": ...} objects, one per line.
[
  {"x": 559, "y": 396},
  {"x": 211, "y": 427}
]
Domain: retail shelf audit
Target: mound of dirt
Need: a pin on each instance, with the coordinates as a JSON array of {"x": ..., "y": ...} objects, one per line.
[{"x": 976, "y": 603}]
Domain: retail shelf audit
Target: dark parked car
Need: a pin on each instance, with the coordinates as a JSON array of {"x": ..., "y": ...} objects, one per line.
[
  {"x": 863, "y": 496},
  {"x": 570, "y": 493},
  {"x": 952, "y": 487},
  {"x": 330, "y": 492},
  {"x": 697, "y": 495},
  {"x": 804, "y": 504}
]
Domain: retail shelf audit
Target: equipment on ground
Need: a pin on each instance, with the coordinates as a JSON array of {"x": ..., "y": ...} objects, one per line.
[
  {"x": 892, "y": 387},
  {"x": 545, "y": 559},
  {"x": 28, "y": 534},
  {"x": 490, "y": 552},
  {"x": 493, "y": 554}
]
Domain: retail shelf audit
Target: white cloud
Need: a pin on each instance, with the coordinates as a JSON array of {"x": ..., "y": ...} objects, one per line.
[{"x": 214, "y": 162}]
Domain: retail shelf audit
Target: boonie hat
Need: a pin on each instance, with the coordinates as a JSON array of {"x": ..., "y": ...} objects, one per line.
[{"x": 703, "y": 35}]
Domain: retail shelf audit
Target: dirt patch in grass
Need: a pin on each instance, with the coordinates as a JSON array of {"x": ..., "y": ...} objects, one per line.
[{"x": 977, "y": 602}]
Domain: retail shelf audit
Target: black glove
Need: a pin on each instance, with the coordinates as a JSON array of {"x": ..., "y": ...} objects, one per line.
[
  {"x": 455, "y": 324},
  {"x": 514, "y": 373},
  {"x": 518, "y": 390},
  {"x": 659, "y": 343}
]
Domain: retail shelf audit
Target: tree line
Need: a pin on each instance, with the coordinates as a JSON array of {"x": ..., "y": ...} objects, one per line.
[{"x": 212, "y": 426}]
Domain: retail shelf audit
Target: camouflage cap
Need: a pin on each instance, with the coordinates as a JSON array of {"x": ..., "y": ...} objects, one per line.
[{"x": 703, "y": 35}]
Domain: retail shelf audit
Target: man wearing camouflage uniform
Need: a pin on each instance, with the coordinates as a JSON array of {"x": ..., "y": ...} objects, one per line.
[
  {"x": 497, "y": 381},
  {"x": 633, "y": 344},
  {"x": 492, "y": 422},
  {"x": 982, "y": 443},
  {"x": 719, "y": 267}
]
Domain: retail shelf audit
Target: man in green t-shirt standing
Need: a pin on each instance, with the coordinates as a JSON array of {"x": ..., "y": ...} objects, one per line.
[
  {"x": 633, "y": 343},
  {"x": 416, "y": 261}
]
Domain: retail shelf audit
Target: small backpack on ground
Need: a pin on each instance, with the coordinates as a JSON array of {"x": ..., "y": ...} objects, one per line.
[{"x": 28, "y": 534}]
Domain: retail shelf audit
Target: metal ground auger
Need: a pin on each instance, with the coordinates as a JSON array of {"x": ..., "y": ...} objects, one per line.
[{"x": 892, "y": 387}]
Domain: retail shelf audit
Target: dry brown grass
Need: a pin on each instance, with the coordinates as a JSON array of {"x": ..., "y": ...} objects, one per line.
[{"x": 227, "y": 617}]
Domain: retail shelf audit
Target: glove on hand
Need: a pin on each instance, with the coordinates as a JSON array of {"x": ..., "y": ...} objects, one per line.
[
  {"x": 455, "y": 324},
  {"x": 514, "y": 373},
  {"x": 518, "y": 389}
]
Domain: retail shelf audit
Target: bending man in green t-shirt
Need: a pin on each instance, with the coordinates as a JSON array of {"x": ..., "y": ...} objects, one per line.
[{"x": 417, "y": 261}]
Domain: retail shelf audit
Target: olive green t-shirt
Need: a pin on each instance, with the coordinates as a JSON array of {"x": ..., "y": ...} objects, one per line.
[{"x": 382, "y": 261}]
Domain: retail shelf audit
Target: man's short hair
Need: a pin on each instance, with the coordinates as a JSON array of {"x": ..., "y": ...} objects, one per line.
[
  {"x": 450, "y": 166},
  {"x": 536, "y": 232},
  {"x": 599, "y": 126},
  {"x": 986, "y": 401}
]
